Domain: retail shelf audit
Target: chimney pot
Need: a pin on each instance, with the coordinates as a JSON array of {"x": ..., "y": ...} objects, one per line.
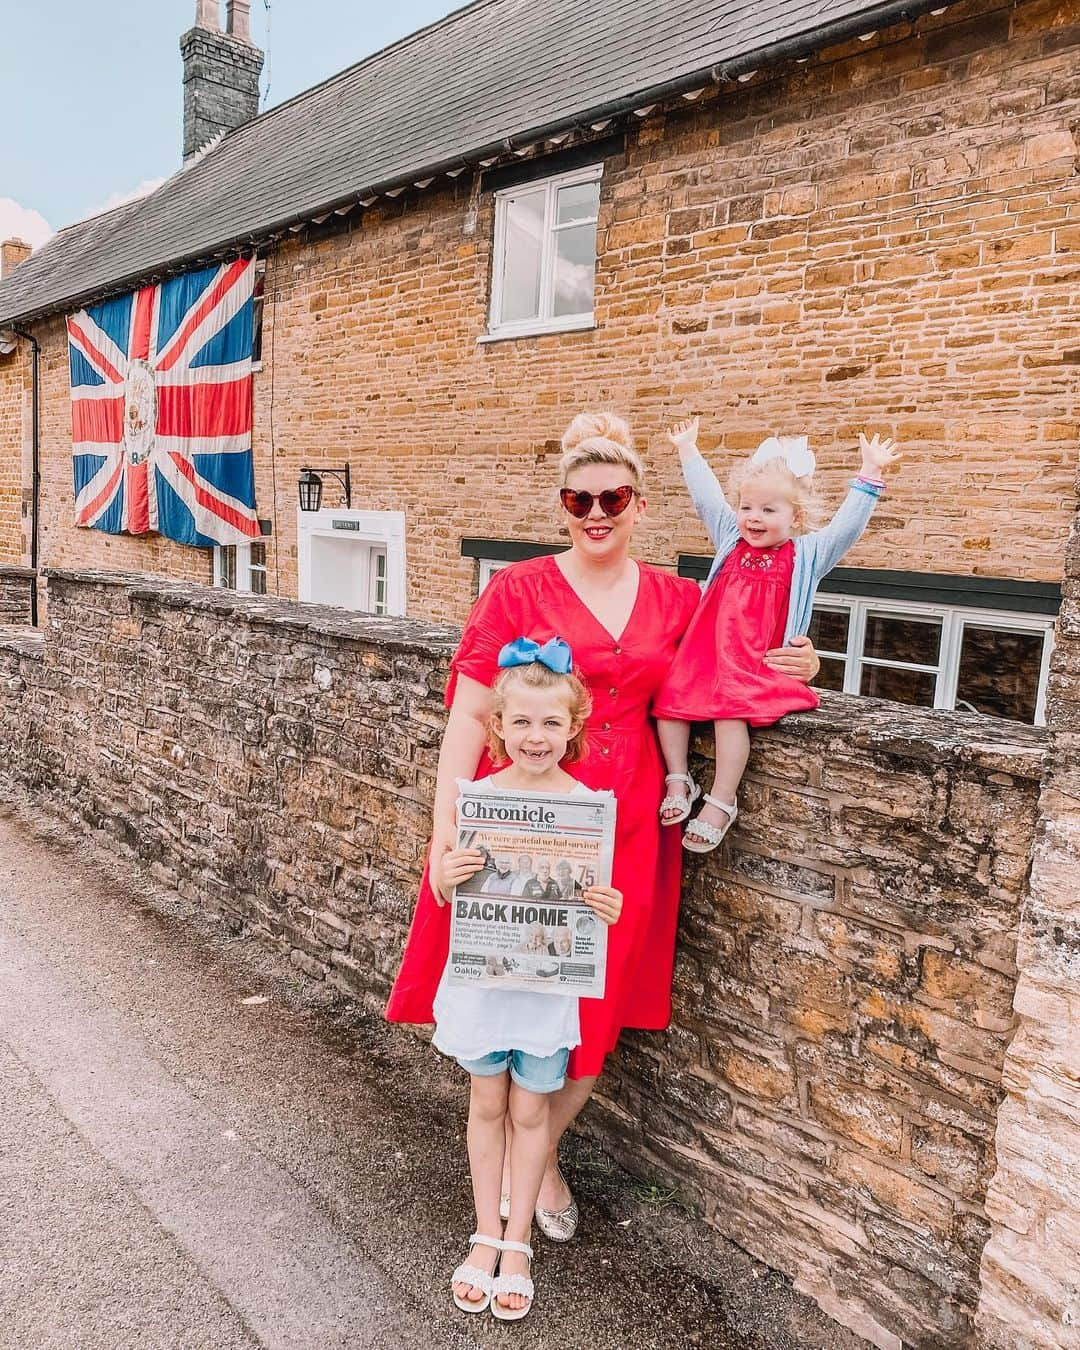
[
  {"x": 208, "y": 15},
  {"x": 238, "y": 19}
]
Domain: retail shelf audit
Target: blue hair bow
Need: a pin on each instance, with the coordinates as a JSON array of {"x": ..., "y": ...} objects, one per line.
[{"x": 523, "y": 651}]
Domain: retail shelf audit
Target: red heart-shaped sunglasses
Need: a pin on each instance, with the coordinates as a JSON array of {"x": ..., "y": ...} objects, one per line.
[{"x": 613, "y": 502}]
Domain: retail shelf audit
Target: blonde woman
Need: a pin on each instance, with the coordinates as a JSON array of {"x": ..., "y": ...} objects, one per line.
[{"x": 624, "y": 620}]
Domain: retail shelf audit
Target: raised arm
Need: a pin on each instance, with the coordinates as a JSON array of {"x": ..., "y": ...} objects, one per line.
[
  {"x": 834, "y": 540},
  {"x": 705, "y": 491}
]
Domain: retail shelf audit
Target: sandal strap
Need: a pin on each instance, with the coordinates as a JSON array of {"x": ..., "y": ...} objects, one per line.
[
  {"x": 466, "y": 1274},
  {"x": 679, "y": 778},
  {"x": 513, "y": 1284},
  {"x": 732, "y": 808},
  {"x": 481, "y": 1240},
  {"x": 522, "y": 1247}
]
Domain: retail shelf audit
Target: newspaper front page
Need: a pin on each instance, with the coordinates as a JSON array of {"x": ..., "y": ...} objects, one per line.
[{"x": 519, "y": 922}]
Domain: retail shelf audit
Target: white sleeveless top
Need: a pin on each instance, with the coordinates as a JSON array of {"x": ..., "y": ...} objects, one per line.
[{"x": 471, "y": 1023}]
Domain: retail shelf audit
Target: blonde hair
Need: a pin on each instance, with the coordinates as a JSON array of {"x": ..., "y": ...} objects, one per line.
[
  {"x": 801, "y": 492},
  {"x": 538, "y": 676},
  {"x": 601, "y": 438}
]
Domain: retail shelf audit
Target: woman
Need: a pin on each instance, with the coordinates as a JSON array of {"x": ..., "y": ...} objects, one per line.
[{"x": 623, "y": 620}]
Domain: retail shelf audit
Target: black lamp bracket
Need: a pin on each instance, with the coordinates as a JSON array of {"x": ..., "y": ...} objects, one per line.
[{"x": 343, "y": 475}]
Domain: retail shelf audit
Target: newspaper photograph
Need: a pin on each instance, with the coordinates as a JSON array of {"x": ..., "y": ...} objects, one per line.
[{"x": 519, "y": 923}]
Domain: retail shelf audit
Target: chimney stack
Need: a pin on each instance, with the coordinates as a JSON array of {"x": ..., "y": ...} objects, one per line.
[
  {"x": 12, "y": 253},
  {"x": 221, "y": 73}
]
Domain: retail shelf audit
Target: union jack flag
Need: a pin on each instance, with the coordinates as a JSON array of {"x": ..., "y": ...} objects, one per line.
[{"x": 161, "y": 409}]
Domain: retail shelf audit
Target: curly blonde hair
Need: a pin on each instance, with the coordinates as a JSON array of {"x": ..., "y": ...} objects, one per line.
[
  {"x": 601, "y": 438},
  {"x": 538, "y": 676},
  {"x": 800, "y": 492}
]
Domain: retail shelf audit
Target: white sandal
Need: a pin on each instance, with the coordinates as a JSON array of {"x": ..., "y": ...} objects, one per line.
[
  {"x": 513, "y": 1284},
  {"x": 709, "y": 836},
  {"x": 479, "y": 1279},
  {"x": 673, "y": 802}
]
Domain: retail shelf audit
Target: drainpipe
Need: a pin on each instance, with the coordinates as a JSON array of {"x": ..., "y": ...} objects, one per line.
[{"x": 35, "y": 470}]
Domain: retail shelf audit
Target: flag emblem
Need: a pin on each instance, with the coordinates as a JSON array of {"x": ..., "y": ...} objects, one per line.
[{"x": 161, "y": 409}]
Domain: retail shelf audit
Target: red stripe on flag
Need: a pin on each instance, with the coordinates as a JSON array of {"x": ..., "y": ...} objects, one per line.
[
  {"x": 142, "y": 317},
  {"x": 220, "y": 509},
  {"x": 103, "y": 496},
  {"x": 205, "y": 409},
  {"x": 210, "y": 300},
  {"x": 97, "y": 419},
  {"x": 104, "y": 366},
  {"x": 138, "y": 499}
]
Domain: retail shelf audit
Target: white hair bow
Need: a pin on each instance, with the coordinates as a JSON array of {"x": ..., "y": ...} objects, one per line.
[{"x": 793, "y": 450}]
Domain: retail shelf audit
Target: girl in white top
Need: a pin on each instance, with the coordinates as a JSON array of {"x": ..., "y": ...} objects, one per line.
[{"x": 514, "y": 1044}]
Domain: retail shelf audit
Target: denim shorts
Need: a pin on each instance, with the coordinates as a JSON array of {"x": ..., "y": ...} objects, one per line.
[{"x": 535, "y": 1073}]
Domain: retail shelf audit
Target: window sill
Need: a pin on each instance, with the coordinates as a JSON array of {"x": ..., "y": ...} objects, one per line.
[{"x": 577, "y": 325}]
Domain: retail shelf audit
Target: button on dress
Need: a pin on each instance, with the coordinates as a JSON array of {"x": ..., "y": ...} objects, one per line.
[{"x": 533, "y": 599}]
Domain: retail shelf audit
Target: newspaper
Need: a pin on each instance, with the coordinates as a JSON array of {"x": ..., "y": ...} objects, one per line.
[{"x": 519, "y": 922}]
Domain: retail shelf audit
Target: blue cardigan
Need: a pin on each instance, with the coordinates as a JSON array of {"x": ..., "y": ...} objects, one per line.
[{"x": 816, "y": 554}]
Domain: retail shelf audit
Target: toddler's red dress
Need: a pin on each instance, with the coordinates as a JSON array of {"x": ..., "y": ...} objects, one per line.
[
  {"x": 533, "y": 599},
  {"x": 718, "y": 671}
]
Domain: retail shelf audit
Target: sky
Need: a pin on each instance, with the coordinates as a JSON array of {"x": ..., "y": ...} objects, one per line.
[{"x": 91, "y": 104}]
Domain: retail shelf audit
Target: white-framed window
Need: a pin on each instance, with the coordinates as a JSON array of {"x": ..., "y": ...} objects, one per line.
[
  {"x": 352, "y": 559},
  {"x": 936, "y": 656},
  {"x": 488, "y": 568},
  {"x": 258, "y": 310},
  {"x": 241, "y": 567},
  {"x": 544, "y": 265}
]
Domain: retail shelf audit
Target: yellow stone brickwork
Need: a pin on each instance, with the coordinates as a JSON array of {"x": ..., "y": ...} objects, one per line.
[{"x": 885, "y": 237}]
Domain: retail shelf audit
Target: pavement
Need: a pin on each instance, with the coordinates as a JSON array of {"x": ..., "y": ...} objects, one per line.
[{"x": 182, "y": 1168}]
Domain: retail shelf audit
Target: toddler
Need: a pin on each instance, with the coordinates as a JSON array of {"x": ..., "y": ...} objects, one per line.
[{"x": 759, "y": 595}]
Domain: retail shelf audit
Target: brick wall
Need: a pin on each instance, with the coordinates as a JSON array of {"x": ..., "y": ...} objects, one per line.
[
  {"x": 886, "y": 236},
  {"x": 1031, "y": 1266},
  {"x": 14, "y": 450},
  {"x": 828, "y": 1092}
]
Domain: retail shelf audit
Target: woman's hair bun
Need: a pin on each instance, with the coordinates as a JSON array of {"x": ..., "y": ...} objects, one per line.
[{"x": 597, "y": 425}]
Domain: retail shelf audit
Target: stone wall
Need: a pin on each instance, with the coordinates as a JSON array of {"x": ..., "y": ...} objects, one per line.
[
  {"x": 1031, "y": 1266},
  {"x": 828, "y": 1092},
  {"x": 16, "y": 589},
  {"x": 884, "y": 236}
]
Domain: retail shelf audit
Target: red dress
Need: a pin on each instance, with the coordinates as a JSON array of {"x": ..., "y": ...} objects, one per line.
[
  {"x": 719, "y": 672},
  {"x": 533, "y": 599}
]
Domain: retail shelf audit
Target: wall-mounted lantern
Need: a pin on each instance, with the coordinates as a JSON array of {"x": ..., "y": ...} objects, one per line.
[{"x": 310, "y": 485}]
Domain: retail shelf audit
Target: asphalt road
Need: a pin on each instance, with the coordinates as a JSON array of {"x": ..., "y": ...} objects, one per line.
[{"x": 179, "y": 1168}]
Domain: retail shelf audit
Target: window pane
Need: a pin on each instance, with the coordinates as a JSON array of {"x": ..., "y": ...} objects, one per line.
[
  {"x": 579, "y": 202},
  {"x": 524, "y": 246},
  {"x": 831, "y": 674},
  {"x": 378, "y": 581},
  {"x": 258, "y": 304},
  {"x": 575, "y": 269},
  {"x": 902, "y": 686},
  {"x": 829, "y": 631},
  {"x": 227, "y": 566},
  {"x": 893, "y": 637},
  {"x": 999, "y": 672}
]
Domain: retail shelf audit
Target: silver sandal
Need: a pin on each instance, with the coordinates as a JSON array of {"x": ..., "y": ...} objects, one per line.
[
  {"x": 672, "y": 802},
  {"x": 558, "y": 1225},
  {"x": 706, "y": 837}
]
